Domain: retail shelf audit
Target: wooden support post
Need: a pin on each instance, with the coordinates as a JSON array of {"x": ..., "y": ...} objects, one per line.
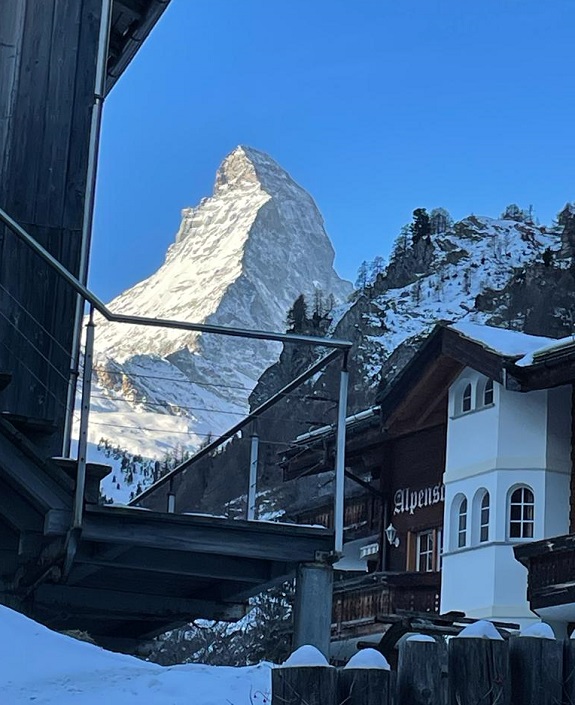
[
  {"x": 479, "y": 672},
  {"x": 419, "y": 673},
  {"x": 313, "y": 602},
  {"x": 366, "y": 686},
  {"x": 536, "y": 670},
  {"x": 304, "y": 685},
  {"x": 569, "y": 671}
]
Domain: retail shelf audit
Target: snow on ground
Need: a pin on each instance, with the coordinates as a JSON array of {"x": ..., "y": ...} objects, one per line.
[{"x": 46, "y": 668}]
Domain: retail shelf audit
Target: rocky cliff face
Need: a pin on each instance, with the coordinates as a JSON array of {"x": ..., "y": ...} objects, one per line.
[{"x": 240, "y": 258}]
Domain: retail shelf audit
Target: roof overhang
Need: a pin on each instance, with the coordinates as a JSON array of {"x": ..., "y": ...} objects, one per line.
[{"x": 132, "y": 21}]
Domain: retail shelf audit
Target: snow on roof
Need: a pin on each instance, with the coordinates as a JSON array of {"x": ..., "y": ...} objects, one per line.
[
  {"x": 552, "y": 346},
  {"x": 510, "y": 343},
  {"x": 40, "y": 665}
]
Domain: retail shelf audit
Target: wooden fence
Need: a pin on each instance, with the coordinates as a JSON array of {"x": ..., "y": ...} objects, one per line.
[{"x": 477, "y": 671}]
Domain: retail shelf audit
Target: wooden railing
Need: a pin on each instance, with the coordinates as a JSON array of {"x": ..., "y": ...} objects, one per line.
[
  {"x": 362, "y": 602},
  {"x": 361, "y": 516}
]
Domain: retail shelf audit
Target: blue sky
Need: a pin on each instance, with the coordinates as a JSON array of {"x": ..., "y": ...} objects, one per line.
[{"x": 376, "y": 107}]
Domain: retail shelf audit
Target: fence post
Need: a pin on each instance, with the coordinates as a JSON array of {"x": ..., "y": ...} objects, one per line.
[
  {"x": 366, "y": 680},
  {"x": 305, "y": 678},
  {"x": 536, "y": 670},
  {"x": 419, "y": 672},
  {"x": 569, "y": 671},
  {"x": 478, "y": 668}
]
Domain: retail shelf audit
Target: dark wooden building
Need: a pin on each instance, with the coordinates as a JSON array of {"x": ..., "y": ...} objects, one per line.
[
  {"x": 393, "y": 515},
  {"x": 57, "y": 64}
]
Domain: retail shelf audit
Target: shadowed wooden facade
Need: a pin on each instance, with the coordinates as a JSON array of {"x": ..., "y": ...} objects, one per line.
[{"x": 48, "y": 57}]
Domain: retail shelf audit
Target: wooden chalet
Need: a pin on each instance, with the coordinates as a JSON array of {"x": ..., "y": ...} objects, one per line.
[{"x": 396, "y": 462}]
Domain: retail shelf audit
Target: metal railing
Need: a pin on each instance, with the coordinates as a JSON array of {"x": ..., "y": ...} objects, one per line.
[{"x": 338, "y": 348}]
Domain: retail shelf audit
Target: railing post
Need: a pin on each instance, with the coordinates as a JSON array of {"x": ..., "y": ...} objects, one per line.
[
  {"x": 84, "y": 415},
  {"x": 340, "y": 457},
  {"x": 88, "y": 215},
  {"x": 252, "y": 489}
]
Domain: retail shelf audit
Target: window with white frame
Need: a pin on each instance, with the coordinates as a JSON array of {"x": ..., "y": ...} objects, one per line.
[
  {"x": 424, "y": 550},
  {"x": 425, "y": 547},
  {"x": 521, "y": 513},
  {"x": 462, "y": 524},
  {"x": 488, "y": 393},
  {"x": 466, "y": 399},
  {"x": 484, "y": 518}
]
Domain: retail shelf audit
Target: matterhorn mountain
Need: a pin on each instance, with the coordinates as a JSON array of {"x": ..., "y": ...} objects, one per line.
[{"x": 240, "y": 258}]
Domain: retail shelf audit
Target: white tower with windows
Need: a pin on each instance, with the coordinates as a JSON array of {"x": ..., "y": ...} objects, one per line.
[{"x": 507, "y": 479}]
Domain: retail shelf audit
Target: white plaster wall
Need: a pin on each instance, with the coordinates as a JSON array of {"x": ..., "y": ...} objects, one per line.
[
  {"x": 523, "y": 439},
  {"x": 522, "y": 429},
  {"x": 472, "y": 438}
]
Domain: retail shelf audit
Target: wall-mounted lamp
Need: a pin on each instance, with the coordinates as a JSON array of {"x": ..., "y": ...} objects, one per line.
[{"x": 391, "y": 534}]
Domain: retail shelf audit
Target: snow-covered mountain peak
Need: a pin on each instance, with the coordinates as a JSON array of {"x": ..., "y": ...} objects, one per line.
[{"x": 240, "y": 258}]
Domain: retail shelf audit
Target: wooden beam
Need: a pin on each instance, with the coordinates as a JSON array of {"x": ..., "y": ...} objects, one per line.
[
  {"x": 200, "y": 565},
  {"x": 286, "y": 543},
  {"x": 17, "y": 512},
  {"x": 113, "y": 604}
]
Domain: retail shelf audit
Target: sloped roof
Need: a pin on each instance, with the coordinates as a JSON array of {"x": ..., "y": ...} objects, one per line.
[{"x": 132, "y": 21}]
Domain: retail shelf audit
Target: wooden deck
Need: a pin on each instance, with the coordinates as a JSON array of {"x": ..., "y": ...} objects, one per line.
[{"x": 134, "y": 572}]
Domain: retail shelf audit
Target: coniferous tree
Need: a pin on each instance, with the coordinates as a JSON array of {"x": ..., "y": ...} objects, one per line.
[
  {"x": 439, "y": 221},
  {"x": 297, "y": 316},
  {"x": 548, "y": 257},
  {"x": 420, "y": 227},
  {"x": 377, "y": 268},
  {"x": 513, "y": 212},
  {"x": 362, "y": 279}
]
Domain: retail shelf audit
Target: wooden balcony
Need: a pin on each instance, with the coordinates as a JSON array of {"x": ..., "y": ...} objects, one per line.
[
  {"x": 361, "y": 517},
  {"x": 551, "y": 573},
  {"x": 360, "y": 603}
]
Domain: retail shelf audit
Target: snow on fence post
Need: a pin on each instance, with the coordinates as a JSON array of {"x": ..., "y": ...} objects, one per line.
[
  {"x": 479, "y": 671},
  {"x": 366, "y": 680},
  {"x": 419, "y": 671},
  {"x": 536, "y": 661},
  {"x": 305, "y": 678}
]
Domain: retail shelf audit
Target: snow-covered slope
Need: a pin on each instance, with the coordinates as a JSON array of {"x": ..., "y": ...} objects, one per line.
[
  {"x": 441, "y": 280},
  {"x": 240, "y": 258},
  {"x": 42, "y": 666}
]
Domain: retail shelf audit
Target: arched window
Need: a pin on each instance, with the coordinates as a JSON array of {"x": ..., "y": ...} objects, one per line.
[
  {"x": 521, "y": 513},
  {"x": 462, "y": 524},
  {"x": 488, "y": 393},
  {"x": 484, "y": 519},
  {"x": 466, "y": 399}
]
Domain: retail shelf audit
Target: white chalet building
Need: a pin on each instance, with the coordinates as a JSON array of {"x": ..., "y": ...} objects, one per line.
[{"x": 508, "y": 452}]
